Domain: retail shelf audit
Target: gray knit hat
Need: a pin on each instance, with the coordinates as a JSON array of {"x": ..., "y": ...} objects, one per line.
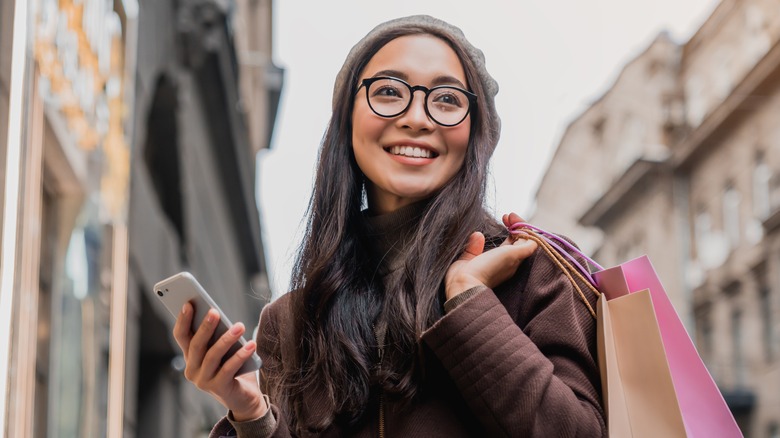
[{"x": 435, "y": 26}]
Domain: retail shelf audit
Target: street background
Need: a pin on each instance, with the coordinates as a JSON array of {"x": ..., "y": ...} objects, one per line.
[{"x": 141, "y": 138}]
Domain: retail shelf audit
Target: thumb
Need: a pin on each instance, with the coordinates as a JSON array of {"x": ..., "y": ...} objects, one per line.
[{"x": 474, "y": 247}]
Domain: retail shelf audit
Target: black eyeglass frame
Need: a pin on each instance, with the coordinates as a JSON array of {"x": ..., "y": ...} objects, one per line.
[{"x": 472, "y": 98}]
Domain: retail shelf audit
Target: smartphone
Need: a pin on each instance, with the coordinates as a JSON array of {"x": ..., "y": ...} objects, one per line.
[{"x": 183, "y": 287}]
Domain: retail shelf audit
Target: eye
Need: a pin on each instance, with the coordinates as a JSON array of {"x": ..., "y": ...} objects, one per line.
[
  {"x": 448, "y": 98},
  {"x": 388, "y": 90}
]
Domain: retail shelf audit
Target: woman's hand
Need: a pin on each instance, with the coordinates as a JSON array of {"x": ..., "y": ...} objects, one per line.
[
  {"x": 475, "y": 268},
  {"x": 240, "y": 394}
]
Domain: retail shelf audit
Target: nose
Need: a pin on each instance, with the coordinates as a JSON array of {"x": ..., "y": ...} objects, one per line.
[{"x": 415, "y": 116}]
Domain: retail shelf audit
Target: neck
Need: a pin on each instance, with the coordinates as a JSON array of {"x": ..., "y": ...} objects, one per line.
[
  {"x": 391, "y": 234},
  {"x": 380, "y": 202}
]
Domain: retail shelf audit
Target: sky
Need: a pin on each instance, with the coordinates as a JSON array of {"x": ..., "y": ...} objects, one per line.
[{"x": 551, "y": 58}]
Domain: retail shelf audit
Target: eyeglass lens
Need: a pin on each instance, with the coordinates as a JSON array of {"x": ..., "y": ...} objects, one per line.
[{"x": 390, "y": 97}]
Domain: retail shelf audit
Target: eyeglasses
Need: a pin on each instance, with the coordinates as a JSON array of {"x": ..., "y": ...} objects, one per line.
[{"x": 390, "y": 97}]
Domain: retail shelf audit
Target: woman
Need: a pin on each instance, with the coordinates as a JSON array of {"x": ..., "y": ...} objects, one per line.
[{"x": 412, "y": 312}]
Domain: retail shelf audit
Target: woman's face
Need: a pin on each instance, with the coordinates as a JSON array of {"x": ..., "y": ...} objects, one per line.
[{"x": 388, "y": 149}]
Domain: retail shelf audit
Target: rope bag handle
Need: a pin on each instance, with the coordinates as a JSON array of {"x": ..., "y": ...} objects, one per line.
[{"x": 565, "y": 261}]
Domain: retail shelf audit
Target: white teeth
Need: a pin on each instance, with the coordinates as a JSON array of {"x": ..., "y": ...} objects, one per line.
[{"x": 411, "y": 151}]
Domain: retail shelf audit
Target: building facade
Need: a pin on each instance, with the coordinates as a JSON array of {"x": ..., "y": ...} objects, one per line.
[
  {"x": 206, "y": 102},
  {"x": 130, "y": 130},
  {"x": 688, "y": 172}
]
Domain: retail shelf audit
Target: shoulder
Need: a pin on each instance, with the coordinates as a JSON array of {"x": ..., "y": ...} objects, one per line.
[
  {"x": 276, "y": 316},
  {"x": 278, "y": 306},
  {"x": 541, "y": 285}
]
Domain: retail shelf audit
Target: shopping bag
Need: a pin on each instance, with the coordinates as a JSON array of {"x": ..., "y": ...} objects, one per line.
[
  {"x": 637, "y": 386},
  {"x": 703, "y": 409},
  {"x": 654, "y": 381}
]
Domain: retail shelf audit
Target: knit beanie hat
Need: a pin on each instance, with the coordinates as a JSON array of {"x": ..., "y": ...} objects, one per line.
[{"x": 425, "y": 23}]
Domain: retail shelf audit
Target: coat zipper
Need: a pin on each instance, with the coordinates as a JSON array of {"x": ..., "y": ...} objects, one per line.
[
  {"x": 380, "y": 347},
  {"x": 381, "y": 415}
]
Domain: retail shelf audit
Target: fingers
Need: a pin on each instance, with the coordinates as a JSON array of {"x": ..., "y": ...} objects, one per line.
[
  {"x": 217, "y": 351},
  {"x": 511, "y": 219},
  {"x": 232, "y": 365},
  {"x": 510, "y": 253},
  {"x": 501, "y": 263},
  {"x": 515, "y": 218},
  {"x": 490, "y": 268},
  {"x": 182, "y": 331},
  {"x": 203, "y": 363},
  {"x": 199, "y": 344},
  {"x": 474, "y": 247}
]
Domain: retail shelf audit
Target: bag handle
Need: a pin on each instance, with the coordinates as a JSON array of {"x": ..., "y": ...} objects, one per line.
[
  {"x": 559, "y": 257},
  {"x": 552, "y": 238}
]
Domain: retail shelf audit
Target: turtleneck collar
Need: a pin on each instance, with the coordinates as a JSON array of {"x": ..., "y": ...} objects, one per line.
[{"x": 390, "y": 234}]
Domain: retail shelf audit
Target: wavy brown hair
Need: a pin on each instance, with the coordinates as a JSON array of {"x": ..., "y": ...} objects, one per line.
[{"x": 337, "y": 299}]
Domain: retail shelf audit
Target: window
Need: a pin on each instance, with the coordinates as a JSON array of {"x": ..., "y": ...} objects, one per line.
[
  {"x": 761, "y": 180},
  {"x": 767, "y": 320},
  {"x": 712, "y": 246},
  {"x": 737, "y": 356},
  {"x": 704, "y": 335},
  {"x": 731, "y": 200},
  {"x": 161, "y": 153},
  {"x": 702, "y": 230},
  {"x": 73, "y": 316}
]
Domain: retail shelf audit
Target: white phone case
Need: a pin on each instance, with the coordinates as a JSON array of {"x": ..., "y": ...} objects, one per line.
[{"x": 183, "y": 287}]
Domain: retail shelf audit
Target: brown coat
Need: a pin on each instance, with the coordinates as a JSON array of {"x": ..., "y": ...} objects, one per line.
[{"x": 519, "y": 361}]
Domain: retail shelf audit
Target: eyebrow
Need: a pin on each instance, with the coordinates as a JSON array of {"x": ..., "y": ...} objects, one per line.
[{"x": 438, "y": 80}]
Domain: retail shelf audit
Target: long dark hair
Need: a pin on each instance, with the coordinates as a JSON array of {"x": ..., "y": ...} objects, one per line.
[{"x": 337, "y": 300}]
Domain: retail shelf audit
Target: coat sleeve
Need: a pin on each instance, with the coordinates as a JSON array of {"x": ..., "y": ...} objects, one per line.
[
  {"x": 268, "y": 348},
  {"x": 525, "y": 363}
]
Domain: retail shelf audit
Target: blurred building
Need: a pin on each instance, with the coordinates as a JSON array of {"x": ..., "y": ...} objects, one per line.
[
  {"x": 207, "y": 95},
  {"x": 680, "y": 159},
  {"x": 129, "y": 134}
]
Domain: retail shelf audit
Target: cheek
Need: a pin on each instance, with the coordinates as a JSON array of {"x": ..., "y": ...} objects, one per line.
[
  {"x": 365, "y": 128},
  {"x": 366, "y": 131},
  {"x": 458, "y": 140}
]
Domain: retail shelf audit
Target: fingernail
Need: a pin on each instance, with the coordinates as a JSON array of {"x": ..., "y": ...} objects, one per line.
[
  {"x": 210, "y": 317},
  {"x": 236, "y": 329},
  {"x": 249, "y": 345},
  {"x": 184, "y": 309}
]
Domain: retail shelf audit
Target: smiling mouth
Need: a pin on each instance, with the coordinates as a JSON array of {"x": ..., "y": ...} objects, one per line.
[{"x": 411, "y": 151}]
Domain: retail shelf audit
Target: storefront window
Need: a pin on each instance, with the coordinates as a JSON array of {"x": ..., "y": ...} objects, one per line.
[
  {"x": 76, "y": 314},
  {"x": 70, "y": 172}
]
